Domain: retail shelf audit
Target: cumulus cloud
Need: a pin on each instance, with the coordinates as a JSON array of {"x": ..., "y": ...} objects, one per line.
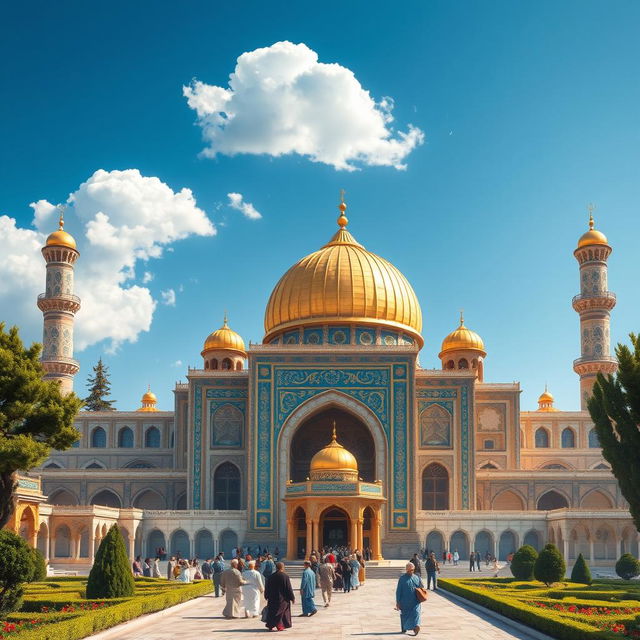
[
  {"x": 236, "y": 201},
  {"x": 281, "y": 100},
  {"x": 147, "y": 277},
  {"x": 168, "y": 297},
  {"x": 120, "y": 220}
]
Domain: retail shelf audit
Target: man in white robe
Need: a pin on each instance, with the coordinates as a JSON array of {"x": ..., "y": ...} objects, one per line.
[{"x": 252, "y": 590}]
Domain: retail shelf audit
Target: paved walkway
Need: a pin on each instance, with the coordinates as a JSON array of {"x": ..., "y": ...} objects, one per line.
[{"x": 366, "y": 614}]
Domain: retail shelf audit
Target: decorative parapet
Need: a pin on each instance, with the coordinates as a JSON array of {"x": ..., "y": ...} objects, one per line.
[{"x": 347, "y": 489}]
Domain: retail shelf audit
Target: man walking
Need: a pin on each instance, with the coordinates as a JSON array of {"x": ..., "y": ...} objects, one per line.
[
  {"x": 327, "y": 576},
  {"x": 432, "y": 567},
  {"x": 280, "y": 597},
  {"x": 307, "y": 591},
  {"x": 417, "y": 564},
  {"x": 268, "y": 567},
  {"x": 472, "y": 561},
  {"x": 478, "y": 561},
  {"x": 231, "y": 580},
  {"x": 217, "y": 567}
]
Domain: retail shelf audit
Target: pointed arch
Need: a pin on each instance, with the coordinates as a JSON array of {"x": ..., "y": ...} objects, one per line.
[
  {"x": 152, "y": 438},
  {"x": 180, "y": 543},
  {"x": 149, "y": 499},
  {"x": 508, "y": 500},
  {"x": 227, "y": 487},
  {"x": 435, "y": 487},
  {"x": 98, "y": 438},
  {"x": 552, "y": 499},
  {"x": 596, "y": 499},
  {"x": 542, "y": 438},
  {"x": 568, "y": 438},
  {"x": 125, "y": 438},
  {"x": 227, "y": 425},
  {"x": 106, "y": 498},
  {"x": 594, "y": 441},
  {"x": 94, "y": 464},
  {"x": 435, "y": 542},
  {"x": 508, "y": 544},
  {"x": 63, "y": 497}
]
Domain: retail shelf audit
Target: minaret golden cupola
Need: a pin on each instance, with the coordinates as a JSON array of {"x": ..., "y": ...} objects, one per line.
[
  {"x": 148, "y": 401},
  {"x": 343, "y": 284},
  {"x": 546, "y": 400},
  {"x": 463, "y": 349},
  {"x": 224, "y": 349},
  {"x": 59, "y": 306},
  {"x": 333, "y": 462}
]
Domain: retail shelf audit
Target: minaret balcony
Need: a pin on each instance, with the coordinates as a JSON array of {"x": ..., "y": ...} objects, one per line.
[
  {"x": 59, "y": 302},
  {"x": 601, "y": 300},
  {"x": 59, "y": 365},
  {"x": 595, "y": 364}
]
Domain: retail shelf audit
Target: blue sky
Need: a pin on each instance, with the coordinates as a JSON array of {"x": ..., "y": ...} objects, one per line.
[{"x": 529, "y": 112}]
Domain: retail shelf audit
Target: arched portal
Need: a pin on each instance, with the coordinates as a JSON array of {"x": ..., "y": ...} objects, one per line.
[
  {"x": 228, "y": 541},
  {"x": 435, "y": 543},
  {"x": 484, "y": 543},
  {"x": 334, "y": 528},
  {"x": 314, "y": 433},
  {"x": 507, "y": 544}
]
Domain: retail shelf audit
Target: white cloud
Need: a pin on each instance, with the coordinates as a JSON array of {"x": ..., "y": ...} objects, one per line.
[
  {"x": 168, "y": 297},
  {"x": 147, "y": 277},
  {"x": 236, "y": 201},
  {"x": 119, "y": 219},
  {"x": 177, "y": 363},
  {"x": 281, "y": 100}
]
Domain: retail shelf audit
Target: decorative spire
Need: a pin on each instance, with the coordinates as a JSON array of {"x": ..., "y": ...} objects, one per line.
[
  {"x": 342, "y": 219},
  {"x": 333, "y": 434},
  {"x": 590, "y": 208},
  {"x": 226, "y": 320},
  {"x": 462, "y": 317},
  {"x": 61, "y": 209}
]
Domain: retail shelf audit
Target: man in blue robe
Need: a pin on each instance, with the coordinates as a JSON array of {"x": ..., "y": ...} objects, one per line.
[
  {"x": 406, "y": 601},
  {"x": 307, "y": 591}
]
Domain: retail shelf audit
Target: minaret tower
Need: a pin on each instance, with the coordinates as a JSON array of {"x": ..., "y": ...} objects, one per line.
[
  {"x": 594, "y": 304},
  {"x": 59, "y": 306}
]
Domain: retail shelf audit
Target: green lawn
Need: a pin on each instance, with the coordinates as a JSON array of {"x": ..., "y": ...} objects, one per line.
[
  {"x": 606, "y": 609},
  {"x": 57, "y": 610}
]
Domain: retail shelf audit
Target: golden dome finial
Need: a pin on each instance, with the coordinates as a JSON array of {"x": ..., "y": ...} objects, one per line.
[
  {"x": 342, "y": 219},
  {"x": 225, "y": 322},
  {"x": 462, "y": 317},
  {"x": 61, "y": 238},
  {"x": 61, "y": 209},
  {"x": 590, "y": 208},
  {"x": 333, "y": 434}
]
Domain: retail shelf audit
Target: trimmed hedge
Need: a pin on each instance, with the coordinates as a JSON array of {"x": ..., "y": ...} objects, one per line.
[
  {"x": 628, "y": 566},
  {"x": 79, "y": 624},
  {"x": 580, "y": 572},
  {"x": 557, "y": 624},
  {"x": 549, "y": 566},
  {"x": 523, "y": 562}
]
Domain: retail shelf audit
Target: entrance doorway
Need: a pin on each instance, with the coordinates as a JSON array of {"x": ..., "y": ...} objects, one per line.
[{"x": 335, "y": 528}]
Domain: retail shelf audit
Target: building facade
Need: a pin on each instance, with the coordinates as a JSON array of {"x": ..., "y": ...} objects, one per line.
[{"x": 329, "y": 432}]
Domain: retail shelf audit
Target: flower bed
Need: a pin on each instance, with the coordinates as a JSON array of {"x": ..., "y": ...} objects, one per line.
[
  {"x": 57, "y": 609},
  {"x": 567, "y": 611}
]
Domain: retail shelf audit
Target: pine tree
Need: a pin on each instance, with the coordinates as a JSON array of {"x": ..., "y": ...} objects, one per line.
[
  {"x": 615, "y": 411},
  {"x": 111, "y": 576},
  {"x": 580, "y": 572},
  {"x": 34, "y": 416},
  {"x": 99, "y": 389},
  {"x": 550, "y": 566}
]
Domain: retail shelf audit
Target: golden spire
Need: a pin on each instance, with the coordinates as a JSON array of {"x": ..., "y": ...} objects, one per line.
[
  {"x": 334, "y": 435},
  {"x": 225, "y": 323},
  {"x": 590, "y": 208},
  {"x": 462, "y": 317},
  {"x": 342, "y": 219},
  {"x": 61, "y": 209}
]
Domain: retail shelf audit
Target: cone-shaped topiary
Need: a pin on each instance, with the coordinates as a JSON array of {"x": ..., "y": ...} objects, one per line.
[
  {"x": 522, "y": 564},
  {"x": 16, "y": 567},
  {"x": 110, "y": 575},
  {"x": 580, "y": 572},
  {"x": 627, "y": 566},
  {"x": 550, "y": 566}
]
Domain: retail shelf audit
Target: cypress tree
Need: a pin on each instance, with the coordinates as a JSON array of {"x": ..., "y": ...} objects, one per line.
[
  {"x": 99, "y": 389},
  {"x": 580, "y": 572},
  {"x": 110, "y": 575},
  {"x": 615, "y": 411},
  {"x": 523, "y": 561},
  {"x": 550, "y": 566}
]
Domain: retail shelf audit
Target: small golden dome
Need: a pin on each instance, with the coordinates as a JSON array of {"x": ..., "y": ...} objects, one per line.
[
  {"x": 334, "y": 457},
  {"x": 591, "y": 237},
  {"x": 61, "y": 238},
  {"x": 224, "y": 338},
  {"x": 462, "y": 339},
  {"x": 343, "y": 282},
  {"x": 148, "y": 401},
  {"x": 545, "y": 401}
]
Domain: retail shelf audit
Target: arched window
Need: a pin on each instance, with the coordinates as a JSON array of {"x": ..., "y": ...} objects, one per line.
[
  {"x": 226, "y": 487},
  {"x": 226, "y": 426},
  {"x": 152, "y": 438},
  {"x": 214, "y": 363},
  {"x": 435, "y": 427},
  {"x": 552, "y": 500},
  {"x": 435, "y": 488},
  {"x": 451, "y": 364},
  {"x": 206, "y": 364},
  {"x": 239, "y": 366},
  {"x": 94, "y": 465},
  {"x": 52, "y": 465},
  {"x": 463, "y": 363},
  {"x": 99, "y": 438},
  {"x": 226, "y": 364},
  {"x": 488, "y": 465},
  {"x": 568, "y": 438},
  {"x": 594, "y": 442},
  {"x": 107, "y": 498},
  {"x": 125, "y": 438},
  {"x": 542, "y": 438}
]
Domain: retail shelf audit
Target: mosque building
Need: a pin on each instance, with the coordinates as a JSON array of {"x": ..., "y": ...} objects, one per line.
[{"x": 330, "y": 432}]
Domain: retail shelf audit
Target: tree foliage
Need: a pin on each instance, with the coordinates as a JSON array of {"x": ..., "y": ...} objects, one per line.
[
  {"x": 523, "y": 561},
  {"x": 549, "y": 566},
  {"x": 111, "y": 576},
  {"x": 99, "y": 389},
  {"x": 615, "y": 411},
  {"x": 34, "y": 416},
  {"x": 628, "y": 566},
  {"x": 16, "y": 568},
  {"x": 39, "y": 566},
  {"x": 580, "y": 572}
]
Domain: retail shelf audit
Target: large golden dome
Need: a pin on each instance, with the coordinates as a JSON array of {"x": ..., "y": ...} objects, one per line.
[
  {"x": 591, "y": 237},
  {"x": 343, "y": 283},
  {"x": 224, "y": 338},
  {"x": 462, "y": 339},
  {"x": 334, "y": 457},
  {"x": 61, "y": 238}
]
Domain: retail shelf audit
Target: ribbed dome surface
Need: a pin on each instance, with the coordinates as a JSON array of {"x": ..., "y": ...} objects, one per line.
[
  {"x": 224, "y": 338},
  {"x": 462, "y": 339},
  {"x": 591, "y": 237},
  {"x": 343, "y": 282},
  {"x": 334, "y": 457},
  {"x": 61, "y": 238}
]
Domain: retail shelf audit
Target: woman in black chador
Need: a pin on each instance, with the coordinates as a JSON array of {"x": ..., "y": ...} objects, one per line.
[{"x": 279, "y": 595}]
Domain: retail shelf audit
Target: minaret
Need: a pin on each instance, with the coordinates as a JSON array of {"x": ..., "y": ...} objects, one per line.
[
  {"x": 594, "y": 305},
  {"x": 59, "y": 306}
]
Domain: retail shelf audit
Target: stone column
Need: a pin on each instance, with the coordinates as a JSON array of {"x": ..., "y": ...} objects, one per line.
[
  {"x": 316, "y": 535},
  {"x": 618, "y": 548},
  {"x": 360, "y": 534},
  {"x": 375, "y": 536},
  {"x": 132, "y": 544},
  {"x": 308, "y": 543},
  {"x": 353, "y": 536},
  {"x": 591, "y": 551},
  {"x": 92, "y": 548},
  {"x": 291, "y": 539},
  {"x": 565, "y": 548}
]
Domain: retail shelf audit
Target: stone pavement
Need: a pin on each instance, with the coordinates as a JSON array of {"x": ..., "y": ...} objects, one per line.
[{"x": 366, "y": 614}]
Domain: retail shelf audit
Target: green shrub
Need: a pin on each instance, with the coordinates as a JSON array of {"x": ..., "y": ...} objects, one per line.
[
  {"x": 627, "y": 566},
  {"x": 16, "y": 567},
  {"x": 580, "y": 572},
  {"x": 522, "y": 564},
  {"x": 549, "y": 566},
  {"x": 39, "y": 566},
  {"x": 110, "y": 575}
]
